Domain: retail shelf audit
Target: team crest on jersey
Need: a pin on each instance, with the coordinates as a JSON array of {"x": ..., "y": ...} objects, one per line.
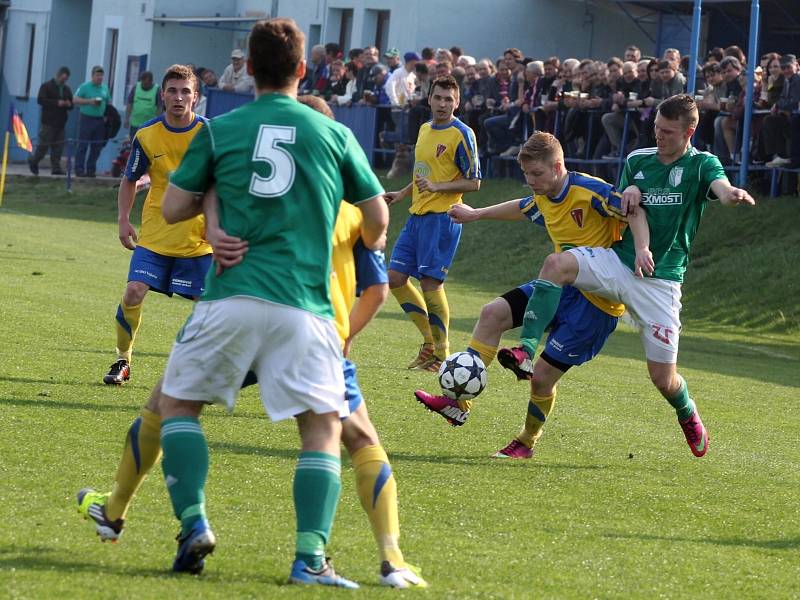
[
  {"x": 440, "y": 149},
  {"x": 675, "y": 176},
  {"x": 577, "y": 216}
]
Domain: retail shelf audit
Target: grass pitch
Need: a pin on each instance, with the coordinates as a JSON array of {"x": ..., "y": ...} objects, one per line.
[{"x": 612, "y": 505}]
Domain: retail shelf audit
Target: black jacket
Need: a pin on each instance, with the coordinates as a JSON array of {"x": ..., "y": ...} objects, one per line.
[{"x": 54, "y": 115}]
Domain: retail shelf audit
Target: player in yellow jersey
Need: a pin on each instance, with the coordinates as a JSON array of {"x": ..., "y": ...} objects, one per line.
[
  {"x": 171, "y": 259},
  {"x": 574, "y": 208},
  {"x": 445, "y": 166}
]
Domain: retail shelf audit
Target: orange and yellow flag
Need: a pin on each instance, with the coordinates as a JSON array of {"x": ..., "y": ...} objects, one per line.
[{"x": 20, "y": 133}]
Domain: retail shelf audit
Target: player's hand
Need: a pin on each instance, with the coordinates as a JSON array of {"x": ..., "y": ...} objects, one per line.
[
  {"x": 631, "y": 200},
  {"x": 393, "y": 197},
  {"x": 462, "y": 213},
  {"x": 127, "y": 235},
  {"x": 740, "y": 196},
  {"x": 347, "y": 344},
  {"x": 425, "y": 185},
  {"x": 644, "y": 265},
  {"x": 228, "y": 250}
]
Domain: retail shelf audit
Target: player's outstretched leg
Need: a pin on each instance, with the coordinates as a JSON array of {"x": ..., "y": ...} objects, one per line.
[
  {"x": 674, "y": 388},
  {"x": 92, "y": 505},
  {"x": 540, "y": 310},
  {"x": 454, "y": 412}
]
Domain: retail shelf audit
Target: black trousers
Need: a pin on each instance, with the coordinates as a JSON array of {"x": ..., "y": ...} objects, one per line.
[{"x": 50, "y": 139}]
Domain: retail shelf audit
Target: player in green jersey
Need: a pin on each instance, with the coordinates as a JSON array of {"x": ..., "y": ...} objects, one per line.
[
  {"x": 280, "y": 171},
  {"x": 672, "y": 183}
]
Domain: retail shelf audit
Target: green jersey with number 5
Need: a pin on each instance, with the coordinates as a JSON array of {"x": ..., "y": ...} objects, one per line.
[
  {"x": 281, "y": 170},
  {"x": 674, "y": 196}
]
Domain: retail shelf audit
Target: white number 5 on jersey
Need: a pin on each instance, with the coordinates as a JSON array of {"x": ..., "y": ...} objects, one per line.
[{"x": 280, "y": 161}]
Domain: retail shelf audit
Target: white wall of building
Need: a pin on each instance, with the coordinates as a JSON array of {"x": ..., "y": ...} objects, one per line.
[{"x": 15, "y": 61}]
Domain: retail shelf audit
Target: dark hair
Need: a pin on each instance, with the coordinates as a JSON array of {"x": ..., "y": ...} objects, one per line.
[
  {"x": 711, "y": 68},
  {"x": 680, "y": 106},
  {"x": 456, "y": 50},
  {"x": 614, "y": 60},
  {"x": 732, "y": 61},
  {"x": 352, "y": 67},
  {"x": 317, "y": 103},
  {"x": 354, "y": 53},
  {"x": 180, "y": 72},
  {"x": 736, "y": 52},
  {"x": 146, "y": 74},
  {"x": 716, "y": 53},
  {"x": 276, "y": 49},
  {"x": 63, "y": 71},
  {"x": 665, "y": 64},
  {"x": 634, "y": 48},
  {"x": 421, "y": 67},
  {"x": 427, "y": 53},
  {"x": 554, "y": 61},
  {"x": 333, "y": 49},
  {"x": 447, "y": 82},
  {"x": 515, "y": 52}
]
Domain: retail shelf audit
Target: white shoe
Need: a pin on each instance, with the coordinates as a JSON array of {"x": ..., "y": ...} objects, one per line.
[
  {"x": 404, "y": 578},
  {"x": 779, "y": 162}
]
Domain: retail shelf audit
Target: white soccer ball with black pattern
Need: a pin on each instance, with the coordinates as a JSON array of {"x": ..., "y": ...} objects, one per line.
[{"x": 462, "y": 376}]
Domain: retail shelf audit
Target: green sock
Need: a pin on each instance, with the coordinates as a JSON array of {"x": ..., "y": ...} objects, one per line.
[
  {"x": 317, "y": 483},
  {"x": 681, "y": 401},
  {"x": 540, "y": 311},
  {"x": 185, "y": 467}
]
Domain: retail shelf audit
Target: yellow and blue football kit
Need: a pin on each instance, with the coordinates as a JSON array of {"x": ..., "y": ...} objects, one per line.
[
  {"x": 429, "y": 239},
  {"x": 586, "y": 212}
]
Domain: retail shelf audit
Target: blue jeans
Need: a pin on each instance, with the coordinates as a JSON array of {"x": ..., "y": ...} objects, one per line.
[{"x": 91, "y": 136}]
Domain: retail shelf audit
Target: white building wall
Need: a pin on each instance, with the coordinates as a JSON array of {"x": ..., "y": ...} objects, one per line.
[{"x": 15, "y": 61}]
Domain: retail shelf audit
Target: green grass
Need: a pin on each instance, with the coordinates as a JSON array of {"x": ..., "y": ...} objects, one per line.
[{"x": 613, "y": 505}]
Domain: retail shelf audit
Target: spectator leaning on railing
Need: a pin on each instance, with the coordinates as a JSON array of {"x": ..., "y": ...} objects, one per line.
[
  {"x": 400, "y": 85},
  {"x": 234, "y": 77},
  {"x": 778, "y": 127},
  {"x": 627, "y": 89}
]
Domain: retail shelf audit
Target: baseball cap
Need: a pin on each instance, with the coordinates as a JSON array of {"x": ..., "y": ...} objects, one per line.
[
  {"x": 392, "y": 53},
  {"x": 97, "y": 69},
  {"x": 788, "y": 59},
  {"x": 411, "y": 56},
  {"x": 236, "y": 53}
]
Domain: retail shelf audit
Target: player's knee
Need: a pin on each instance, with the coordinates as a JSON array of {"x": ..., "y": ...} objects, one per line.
[
  {"x": 135, "y": 292},
  {"x": 397, "y": 279},
  {"x": 558, "y": 268},
  {"x": 665, "y": 383},
  {"x": 496, "y": 315}
]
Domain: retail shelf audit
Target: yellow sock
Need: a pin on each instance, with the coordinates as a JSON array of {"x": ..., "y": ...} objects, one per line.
[
  {"x": 539, "y": 409},
  {"x": 485, "y": 351},
  {"x": 128, "y": 320},
  {"x": 142, "y": 450},
  {"x": 439, "y": 317},
  {"x": 413, "y": 304},
  {"x": 377, "y": 491}
]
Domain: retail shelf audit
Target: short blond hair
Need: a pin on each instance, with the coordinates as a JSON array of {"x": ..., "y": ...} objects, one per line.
[{"x": 541, "y": 147}]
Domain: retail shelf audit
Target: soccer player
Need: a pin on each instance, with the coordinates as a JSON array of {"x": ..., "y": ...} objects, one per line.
[
  {"x": 171, "y": 259},
  {"x": 576, "y": 209},
  {"x": 676, "y": 182},
  {"x": 281, "y": 170},
  {"x": 445, "y": 166}
]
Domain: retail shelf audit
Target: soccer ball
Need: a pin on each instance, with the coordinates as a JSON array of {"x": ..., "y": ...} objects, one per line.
[{"x": 462, "y": 376}]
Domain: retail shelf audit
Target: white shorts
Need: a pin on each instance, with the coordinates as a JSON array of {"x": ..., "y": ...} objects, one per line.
[
  {"x": 654, "y": 304},
  {"x": 295, "y": 354}
]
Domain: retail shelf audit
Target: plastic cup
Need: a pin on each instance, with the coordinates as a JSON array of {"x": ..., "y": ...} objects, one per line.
[
  {"x": 584, "y": 95},
  {"x": 633, "y": 95}
]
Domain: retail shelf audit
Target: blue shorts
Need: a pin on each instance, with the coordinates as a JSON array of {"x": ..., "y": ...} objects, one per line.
[
  {"x": 426, "y": 246},
  {"x": 352, "y": 392},
  {"x": 168, "y": 274},
  {"x": 578, "y": 330}
]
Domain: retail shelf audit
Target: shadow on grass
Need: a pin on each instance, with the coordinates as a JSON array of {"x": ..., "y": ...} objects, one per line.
[
  {"x": 784, "y": 544},
  {"x": 466, "y": 461},
  {"x": 42, "y": 558},
  {"x": 44, "y": 403},
  {"x": 111, "y": 354}
]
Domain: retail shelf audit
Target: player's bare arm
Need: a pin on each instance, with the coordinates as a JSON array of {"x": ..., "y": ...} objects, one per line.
[
  {"x": 228, "y": 250},
  {"x": 631, "y": 199},
  {"x": 729, "y": 195},
  {"x": 125, "y": 199},
  {"x": 395, "y": 197},
  {"x": 367, "y": 306},
  {"x": 179, "y": 205},
  {"x": 504, "y": 211},
  {"x": 459, "y": 185},
  {"x": 376, "y": 222},
  {"x": 644, "y": 265}
]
